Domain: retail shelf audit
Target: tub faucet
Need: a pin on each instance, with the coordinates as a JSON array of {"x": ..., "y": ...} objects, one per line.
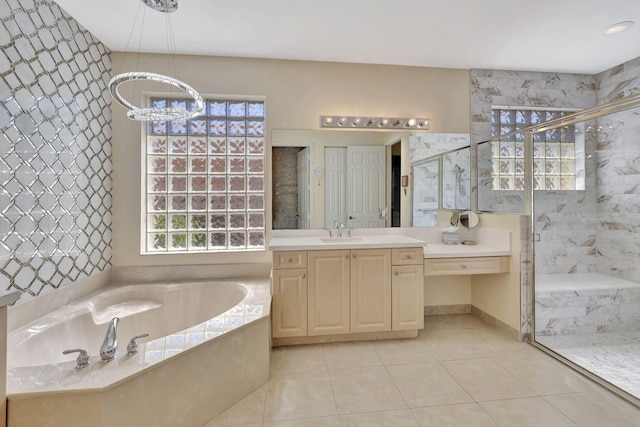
[{"x": 110, "y": 343}]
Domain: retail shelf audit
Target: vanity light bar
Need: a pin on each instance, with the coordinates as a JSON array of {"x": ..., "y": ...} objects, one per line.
[{"x": 349, "y": 122}]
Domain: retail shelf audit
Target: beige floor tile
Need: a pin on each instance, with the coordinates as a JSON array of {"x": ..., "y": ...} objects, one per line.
[
  {"x": 596, "y": 409},
  {"x": 484, "y": 379},
  {"x": 545, "y": 375},
  {"x": 398, "y": 418},
  {"x": 350, "y": 355},
  {"x": 427, "y": 384},
  {"x": 395, "y": 352},
  {"x": 306, "y": 422},
  {"x": 467, "y": 414},
  {"x": 299, "y": 395},
  {"x": 365, "y": 389},
  {"x": 302, "y": 358},
  {"x": 495, "y": 343},
  {"x": 527, "y": 412},
  {"x": 448, "y": 346},
  {"x": 249, "y": 410}
]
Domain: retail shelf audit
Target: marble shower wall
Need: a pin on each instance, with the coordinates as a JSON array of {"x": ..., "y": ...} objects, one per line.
[
  {"x": 618, "y": 176},
  {"x": 564, "y": 245},
  {"x": 55, "y": 149}
]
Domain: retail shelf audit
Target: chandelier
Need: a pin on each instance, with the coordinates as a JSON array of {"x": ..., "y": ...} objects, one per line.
[{"x": 154, "y": 113}]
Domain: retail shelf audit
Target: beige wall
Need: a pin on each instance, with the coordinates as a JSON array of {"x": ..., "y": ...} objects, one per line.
[
  {"x": 297, "y": 93},
  {"x": 499, "y": 294}
]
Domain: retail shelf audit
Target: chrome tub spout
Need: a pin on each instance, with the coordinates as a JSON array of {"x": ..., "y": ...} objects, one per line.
[{"x": 110, "y": 344}]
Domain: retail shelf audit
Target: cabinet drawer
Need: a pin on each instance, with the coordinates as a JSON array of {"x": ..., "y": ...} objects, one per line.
[
  {"x": 292, "y": 259},
  {"x": 407, "y": 256},
  {"x": 455, "y": 266}
]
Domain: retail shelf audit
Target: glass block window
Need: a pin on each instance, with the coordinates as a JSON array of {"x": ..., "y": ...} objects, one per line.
[
  {"x": 205, "y": 179},
  {"x": 554, "y": 151}
]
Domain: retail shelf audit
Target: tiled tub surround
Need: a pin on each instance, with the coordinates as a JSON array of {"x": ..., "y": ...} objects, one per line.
[
  {"x": 586, "y": 303},
  {"x": 180, "y": 376}
]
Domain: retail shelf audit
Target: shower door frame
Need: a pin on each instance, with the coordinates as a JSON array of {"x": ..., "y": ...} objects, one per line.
[{"x": 621, "y": 104}]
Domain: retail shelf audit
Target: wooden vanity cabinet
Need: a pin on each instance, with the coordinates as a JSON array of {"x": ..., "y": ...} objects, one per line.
[
  {"x": 328, "y": 297},
  {"x": 347, "y": 291},
  {"x": 407, "y": 289},
  {"x": 289, "y": 289}
]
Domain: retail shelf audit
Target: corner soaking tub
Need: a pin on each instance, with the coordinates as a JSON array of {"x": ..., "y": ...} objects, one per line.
[{"x": 208, "y": 347}]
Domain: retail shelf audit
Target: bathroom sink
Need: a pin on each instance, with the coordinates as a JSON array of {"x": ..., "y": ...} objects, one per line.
[{"x": 342, "y": 240}]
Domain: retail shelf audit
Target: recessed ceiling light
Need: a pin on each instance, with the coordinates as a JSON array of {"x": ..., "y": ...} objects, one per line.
[{"x": 617, "y": 28}]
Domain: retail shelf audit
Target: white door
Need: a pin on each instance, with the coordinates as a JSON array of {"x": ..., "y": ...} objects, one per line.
[
  {"x": 304, "y": 189},
  {"x": 335, "y": 187},
  {"x": 365, "y": 186}
]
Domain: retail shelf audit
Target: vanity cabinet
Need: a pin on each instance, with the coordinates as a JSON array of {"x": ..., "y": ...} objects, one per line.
[
  {"x": 407, "y": 285},
  {"x": 468, "y": 265},
  {"x": 289, "y": 289},
  {"x": 347, "y": 291}
]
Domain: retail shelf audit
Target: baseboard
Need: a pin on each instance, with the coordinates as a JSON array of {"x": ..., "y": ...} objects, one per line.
[
  {"x": 499, "y": 324},
  {"x": 323, "y": 339},
  {"x": 439, "y": 310}
]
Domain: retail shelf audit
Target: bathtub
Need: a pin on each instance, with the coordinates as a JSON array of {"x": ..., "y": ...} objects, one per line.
[
  {"x": 585, "y": 303},
  {"x": 208, "y": 347}
]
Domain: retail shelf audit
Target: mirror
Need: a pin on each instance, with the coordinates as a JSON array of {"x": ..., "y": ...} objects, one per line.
[
  {"x": 469, "y": 220},
  {"x": 316, "y": 185}
]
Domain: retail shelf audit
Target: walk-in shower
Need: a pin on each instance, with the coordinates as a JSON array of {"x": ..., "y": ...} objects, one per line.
[{"x": 577, "y": 177}]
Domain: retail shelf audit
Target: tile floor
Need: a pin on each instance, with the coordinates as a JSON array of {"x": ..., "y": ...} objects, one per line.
[{"x": 458, "y": 372}]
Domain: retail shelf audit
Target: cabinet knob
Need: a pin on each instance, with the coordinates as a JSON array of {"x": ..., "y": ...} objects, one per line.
[
  {"x": 346, "y": 256},
  {"x": 463, "y": 266},
  {"x": 396, "y": 273},
  {"x": 290, "y": 260},
  {"x": 304, "y": 276}
]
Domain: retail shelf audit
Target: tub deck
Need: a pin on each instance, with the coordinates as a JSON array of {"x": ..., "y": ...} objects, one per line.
[{"x": 185, "y": 378}]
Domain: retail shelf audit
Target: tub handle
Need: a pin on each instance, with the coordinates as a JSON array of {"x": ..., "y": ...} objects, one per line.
[
  {"x": 132, "y": 347},
  {"x": 82, "y": 361}
]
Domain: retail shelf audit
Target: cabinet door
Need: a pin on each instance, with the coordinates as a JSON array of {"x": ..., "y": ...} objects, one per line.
[
  {"x": 289, "y": 308},
  {"x": 328, "y": 298},
  {"x": 407, "y": 301},
  {"x": 370, "y": 290}
]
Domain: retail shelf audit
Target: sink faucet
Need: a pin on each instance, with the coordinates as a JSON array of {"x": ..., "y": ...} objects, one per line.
[{"x": 110, "y": 343}]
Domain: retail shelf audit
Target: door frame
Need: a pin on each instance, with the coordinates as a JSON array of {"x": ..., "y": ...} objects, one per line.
[
  {"x": 309, "y": 146},
  {"x": 388, "y": 150}
]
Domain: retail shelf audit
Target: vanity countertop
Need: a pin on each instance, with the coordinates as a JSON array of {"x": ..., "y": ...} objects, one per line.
[
  {"x": 303, "y": 243},
  {"x": 438, "y": 250},
  {"x": 426, "y": 237}
]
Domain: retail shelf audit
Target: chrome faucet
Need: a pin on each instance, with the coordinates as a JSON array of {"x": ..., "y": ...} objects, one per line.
[{"x": 110, "y": 343}]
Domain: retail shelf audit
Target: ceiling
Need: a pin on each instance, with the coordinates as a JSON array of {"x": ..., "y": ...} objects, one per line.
[{"x": 534, "y": 35}]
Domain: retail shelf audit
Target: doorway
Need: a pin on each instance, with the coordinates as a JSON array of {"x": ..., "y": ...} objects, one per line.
[
  {"x": 396, "y": 184},
  {"x": 291, "y": 187}
]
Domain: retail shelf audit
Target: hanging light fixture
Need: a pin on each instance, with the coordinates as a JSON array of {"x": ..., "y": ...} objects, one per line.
[{"x": 154, "y": 113}]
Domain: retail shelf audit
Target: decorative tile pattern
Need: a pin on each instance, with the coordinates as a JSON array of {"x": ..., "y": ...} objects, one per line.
[{"x": 55, "y": 149}]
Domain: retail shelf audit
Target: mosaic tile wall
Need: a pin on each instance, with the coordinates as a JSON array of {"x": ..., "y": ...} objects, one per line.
[
  {"x": 55, "y": 149},
  {"x": 618, "y": 176}
]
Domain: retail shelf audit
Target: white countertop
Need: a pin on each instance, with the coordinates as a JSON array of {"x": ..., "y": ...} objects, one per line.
[
  {"x": 356, "y": 242},
  {"x": 426, "y": 237},
  {"x": 9, "y": 297},
  {"x": 438, "y": 250}
]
